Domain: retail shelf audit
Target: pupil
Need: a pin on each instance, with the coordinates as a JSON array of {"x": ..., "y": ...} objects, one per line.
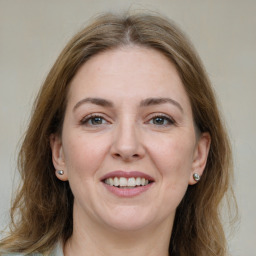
[
  {"x": 159, "y": 120},
  {"x": 97, "y": 120}
]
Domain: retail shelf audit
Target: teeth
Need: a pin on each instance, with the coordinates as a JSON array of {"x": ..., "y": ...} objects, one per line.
[
  {"x": 124, "y": 182},
  {"x": 116, "y": 182},
  {"x": 138, "y": 181},
  {"x": 131, "y": 182}
]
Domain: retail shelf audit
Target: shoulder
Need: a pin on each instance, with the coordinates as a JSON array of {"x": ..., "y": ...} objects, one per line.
[
  {"x": 58, "y": 251},
  {"x": 21, "y": 254}
]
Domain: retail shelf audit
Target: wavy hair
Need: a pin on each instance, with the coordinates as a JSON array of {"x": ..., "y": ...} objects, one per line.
[{"x": 41, "y": 213}]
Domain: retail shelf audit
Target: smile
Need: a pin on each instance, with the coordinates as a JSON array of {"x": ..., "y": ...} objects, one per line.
[
  {"x": 127, "y": 184},
  {"x": 123, "y": 182}
]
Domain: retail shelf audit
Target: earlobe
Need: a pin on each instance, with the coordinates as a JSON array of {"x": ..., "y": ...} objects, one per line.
[
  {"x": 58, "y": 159},
  {"x": 200, "y": 157}
]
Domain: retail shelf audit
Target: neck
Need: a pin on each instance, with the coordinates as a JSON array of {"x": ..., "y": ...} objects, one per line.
[{"x": 92, "y": 240}]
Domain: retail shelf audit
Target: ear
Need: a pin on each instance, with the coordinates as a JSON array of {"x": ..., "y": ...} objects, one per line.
[
  {"x": 200, "y": 156},
  {"x": 58, "y": 159}
]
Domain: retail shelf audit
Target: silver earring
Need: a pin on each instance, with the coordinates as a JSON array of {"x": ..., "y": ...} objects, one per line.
[
  {"x": 60, "y": 172},
  {"x": 196, "y": 177}
]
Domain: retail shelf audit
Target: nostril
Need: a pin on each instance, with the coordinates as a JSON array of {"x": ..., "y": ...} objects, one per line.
[{"x": 126, "y": 157}]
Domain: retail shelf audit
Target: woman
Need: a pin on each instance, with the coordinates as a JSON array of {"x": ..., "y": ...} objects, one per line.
[{"x": 125, "y": 152}]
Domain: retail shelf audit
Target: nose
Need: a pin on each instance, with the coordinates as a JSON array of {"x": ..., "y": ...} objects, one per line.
[{"x": 127, "y": 143}]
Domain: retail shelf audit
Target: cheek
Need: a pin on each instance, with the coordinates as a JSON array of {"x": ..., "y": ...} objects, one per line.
[
  {"x": 83, "y": 154},
  {"x": 174, "y": 157},
  {"x": 173, "y": 161}
]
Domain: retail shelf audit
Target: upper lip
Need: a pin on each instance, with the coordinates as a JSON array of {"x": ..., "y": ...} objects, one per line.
[{"x": 127, "y": 174}]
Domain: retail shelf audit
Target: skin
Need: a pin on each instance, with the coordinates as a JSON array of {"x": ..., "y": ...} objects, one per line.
[{"x": 155, "y": 139}]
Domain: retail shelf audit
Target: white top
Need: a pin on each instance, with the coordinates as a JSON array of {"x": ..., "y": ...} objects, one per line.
[{"x": 58, "y": 251}]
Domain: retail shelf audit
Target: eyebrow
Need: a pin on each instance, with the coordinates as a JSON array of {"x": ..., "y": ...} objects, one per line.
[
  {"x": 96, "y": 101},
  {"x": 158, "y": 101},
  {"x": 144, "y": 103}
]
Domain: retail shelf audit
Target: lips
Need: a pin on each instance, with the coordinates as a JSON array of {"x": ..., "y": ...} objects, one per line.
[{"x": 127, "y": 184}]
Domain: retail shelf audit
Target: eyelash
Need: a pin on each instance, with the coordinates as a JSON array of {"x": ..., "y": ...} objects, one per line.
[
  {"x": 170, "y": 121},
  {"x": 87, "y": 119}
]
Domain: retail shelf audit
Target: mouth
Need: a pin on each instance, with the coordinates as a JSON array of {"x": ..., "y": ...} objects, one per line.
[{"x": 120, "y": 183}]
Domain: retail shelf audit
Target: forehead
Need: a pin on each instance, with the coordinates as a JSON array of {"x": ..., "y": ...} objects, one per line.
[{"x": 128, "y": 72}]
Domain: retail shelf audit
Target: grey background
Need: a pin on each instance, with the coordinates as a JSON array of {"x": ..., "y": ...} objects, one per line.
[{"x": 33, "y": 32}]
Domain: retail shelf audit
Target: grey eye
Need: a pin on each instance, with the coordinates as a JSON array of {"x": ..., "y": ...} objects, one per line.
[
  {"x": 96, "y": 120},
  {"x": 93, "y": 121},
  {"x": 161, "y": 120}
]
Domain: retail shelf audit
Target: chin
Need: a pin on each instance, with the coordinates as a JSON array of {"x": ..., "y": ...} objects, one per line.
[
  {"x": 128, "y": 226},
  {"x": 130, "y": 219}
]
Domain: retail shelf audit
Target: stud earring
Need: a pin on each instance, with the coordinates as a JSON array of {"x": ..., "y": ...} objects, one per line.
[
  {"x": 60, "y": 172},
  {"x": 196, "y": 177}
]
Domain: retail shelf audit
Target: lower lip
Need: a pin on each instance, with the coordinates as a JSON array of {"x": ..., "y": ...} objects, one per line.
[{"x": 127, "y": 192}]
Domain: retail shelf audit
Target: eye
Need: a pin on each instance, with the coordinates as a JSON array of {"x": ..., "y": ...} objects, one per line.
[
  {"x": 161, "y": 120},
  {"x": 93, "y": 120}
]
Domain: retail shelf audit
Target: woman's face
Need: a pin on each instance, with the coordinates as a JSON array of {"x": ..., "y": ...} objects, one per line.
[{"x": 128, "y": 146}]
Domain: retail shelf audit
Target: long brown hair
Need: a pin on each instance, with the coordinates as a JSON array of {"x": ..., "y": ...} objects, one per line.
[{"x": 41, "y": 213}]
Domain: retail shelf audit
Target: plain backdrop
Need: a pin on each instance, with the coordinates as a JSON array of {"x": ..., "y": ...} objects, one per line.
[{"x": 33, "y": 32}]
